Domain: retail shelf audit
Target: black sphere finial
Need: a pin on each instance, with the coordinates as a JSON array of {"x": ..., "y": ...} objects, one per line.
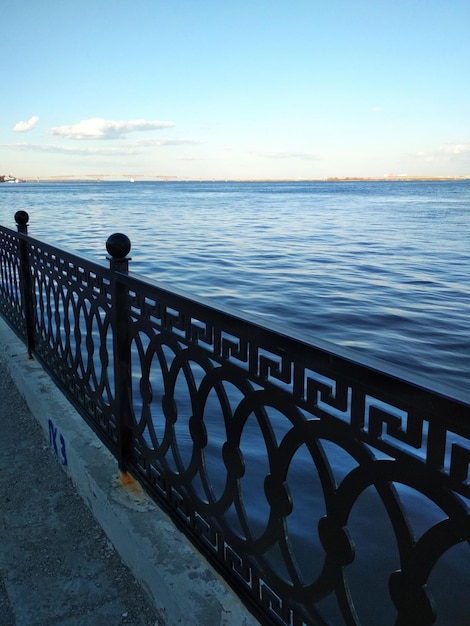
[
  {"x": 21, "y": 218},
  {"x": 118, "y": 245}
]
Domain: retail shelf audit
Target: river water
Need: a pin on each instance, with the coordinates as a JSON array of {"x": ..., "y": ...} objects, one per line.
[{"x": 380, "y": 267}]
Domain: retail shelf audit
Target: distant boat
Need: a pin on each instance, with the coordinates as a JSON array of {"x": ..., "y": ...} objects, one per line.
[
  {"x": 131, "y": 180},
  {"x": 12, "y": 179}
]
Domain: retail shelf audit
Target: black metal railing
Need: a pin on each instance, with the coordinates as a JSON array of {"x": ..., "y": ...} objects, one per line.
[{"x": 322, "y": 489}]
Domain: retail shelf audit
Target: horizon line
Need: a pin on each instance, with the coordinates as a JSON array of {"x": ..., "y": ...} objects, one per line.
[{"x": 172, "y": 178}]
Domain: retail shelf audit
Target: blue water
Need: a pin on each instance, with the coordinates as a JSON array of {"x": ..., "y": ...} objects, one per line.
[
  {"x": 383, "y": 268},
  {"x": 380, "y": 267}
]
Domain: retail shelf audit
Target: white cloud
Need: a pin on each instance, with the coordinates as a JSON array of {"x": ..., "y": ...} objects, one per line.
[
  {"x": 23, "y": 127},
  {"x": 166, "y": 142},
  {"x": 459, "y": 152},
  {"x": 135, "y": 147},
  {"x": 99, "y": 128},
  {"x": 57, "y": 149},
  {"x": 459, "y": 148}
]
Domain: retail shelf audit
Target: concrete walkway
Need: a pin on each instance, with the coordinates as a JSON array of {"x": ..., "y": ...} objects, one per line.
[
  {"x": 56, "y": 564},
  {"x": 68, "y": 524}
]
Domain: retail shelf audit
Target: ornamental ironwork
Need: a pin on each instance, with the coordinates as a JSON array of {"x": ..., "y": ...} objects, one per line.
[{"x": 324, "y": 490}]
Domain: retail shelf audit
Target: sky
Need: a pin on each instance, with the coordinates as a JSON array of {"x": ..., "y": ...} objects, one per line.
[{"x": 241, "y": 89}]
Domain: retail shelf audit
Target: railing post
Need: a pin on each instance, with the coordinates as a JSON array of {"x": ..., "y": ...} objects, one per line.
[
  {"x": 21, "y": 219},
  {"x": 118, "y": 246}
]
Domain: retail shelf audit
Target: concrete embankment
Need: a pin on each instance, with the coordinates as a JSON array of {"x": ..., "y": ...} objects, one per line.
[{"x": 66, "y": 534}]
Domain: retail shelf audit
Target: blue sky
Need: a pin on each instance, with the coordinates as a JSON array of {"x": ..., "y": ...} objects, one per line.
[{"x": 225, "y": 89}]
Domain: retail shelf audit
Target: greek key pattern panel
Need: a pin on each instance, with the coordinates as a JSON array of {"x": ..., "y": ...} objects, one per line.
[{"x": 393, "y": 427}]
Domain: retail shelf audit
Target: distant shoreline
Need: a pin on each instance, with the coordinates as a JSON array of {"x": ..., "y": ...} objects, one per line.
[{"x": 333, "y": 179}]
